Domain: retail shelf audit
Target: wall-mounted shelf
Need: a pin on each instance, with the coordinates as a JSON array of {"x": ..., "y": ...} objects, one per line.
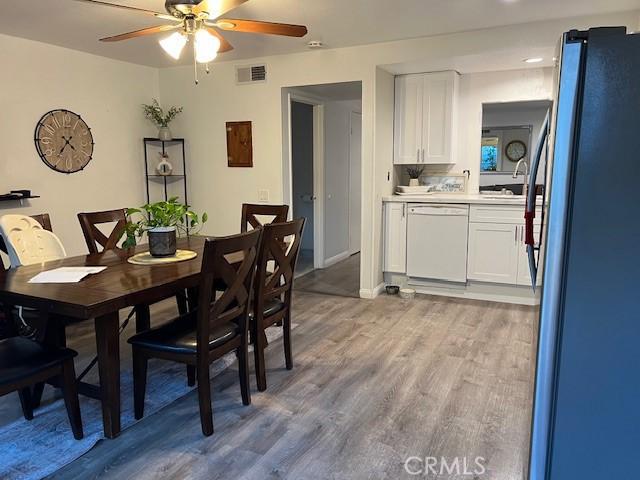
[{"x": 16, "y": 198}]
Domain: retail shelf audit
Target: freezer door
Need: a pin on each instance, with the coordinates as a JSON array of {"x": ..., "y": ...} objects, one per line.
[{"x": 570, "y": 80}]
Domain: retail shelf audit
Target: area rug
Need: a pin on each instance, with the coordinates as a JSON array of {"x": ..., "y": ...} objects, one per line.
[{"x": 32, "y": 450}]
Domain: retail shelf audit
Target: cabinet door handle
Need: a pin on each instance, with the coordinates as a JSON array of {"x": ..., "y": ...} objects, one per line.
[
  {"x": 418, "y": 156},
  {"x": 404, "y": 205},
  {"x": 515, "y": 237},
  {"x": 423, "y": 155}
]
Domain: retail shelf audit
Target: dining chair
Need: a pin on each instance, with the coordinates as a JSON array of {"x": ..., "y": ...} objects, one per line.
[
  {"x": 251, "y": 213},
  {"x": 98, "y": 242},
  {"x": 27, "y": 242},
  {"x": 217, "y": 326},
  {"x": 95, "y": 239},
  {"x": 25, "y": 363},
  {"x": 273, "y": 289}
]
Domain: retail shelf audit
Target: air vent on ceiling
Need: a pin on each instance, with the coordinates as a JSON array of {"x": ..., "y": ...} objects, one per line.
[{"x": 251, "y": 74}]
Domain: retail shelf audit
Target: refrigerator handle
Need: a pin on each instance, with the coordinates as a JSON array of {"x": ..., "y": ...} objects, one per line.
[{"x": 530, "y": 209}]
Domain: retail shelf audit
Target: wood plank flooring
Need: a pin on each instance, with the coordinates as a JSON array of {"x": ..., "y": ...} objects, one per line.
[
  {"x": 341, "y": 279},
  {"x": 374, "y": 382}
]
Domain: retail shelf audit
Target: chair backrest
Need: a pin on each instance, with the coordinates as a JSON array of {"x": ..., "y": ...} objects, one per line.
[
  {"x": 280, "y": 244},
  {"x": 92, "y": 234},
  {"x": 232, "y": 260},
  {"x": 42, "y": 218},
  {"x": 27, "y": 242},
  {"x": 250, "y": 211}
]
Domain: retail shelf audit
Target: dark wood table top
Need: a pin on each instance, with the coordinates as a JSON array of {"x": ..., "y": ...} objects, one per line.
[{"x": 121, "y": 285}]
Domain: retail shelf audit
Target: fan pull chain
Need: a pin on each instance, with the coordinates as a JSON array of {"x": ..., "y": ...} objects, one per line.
[{"x": 195, "y": 64}]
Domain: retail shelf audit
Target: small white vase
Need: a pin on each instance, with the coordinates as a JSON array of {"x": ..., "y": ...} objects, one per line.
[
  {"x": 164, "y": 168},
  {"x": 164, "y": 134},
  {"x": 414, "y": 182}
]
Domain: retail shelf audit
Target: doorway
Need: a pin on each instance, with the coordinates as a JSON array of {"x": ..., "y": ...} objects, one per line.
[{"x": 323, "y": 182}]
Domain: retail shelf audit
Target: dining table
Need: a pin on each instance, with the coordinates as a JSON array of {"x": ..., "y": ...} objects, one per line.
[{"x": 100, "y": 297}]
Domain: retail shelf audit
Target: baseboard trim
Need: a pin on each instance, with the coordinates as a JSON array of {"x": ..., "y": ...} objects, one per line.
[
  {"x": 335, "y": 259},
  {"x": 370, "y": 294}
]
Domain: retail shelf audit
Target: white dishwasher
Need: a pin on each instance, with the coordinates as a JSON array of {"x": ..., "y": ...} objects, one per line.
[{"x": 437, "y": 241}]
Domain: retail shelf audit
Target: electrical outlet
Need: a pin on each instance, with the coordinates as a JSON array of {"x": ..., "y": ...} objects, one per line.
[{"x": 263, "y": 195}]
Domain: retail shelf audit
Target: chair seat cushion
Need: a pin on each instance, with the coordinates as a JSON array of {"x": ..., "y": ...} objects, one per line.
[
  {"x": 179, "y": 336},
  {"x": 21, "y": 358},
  {"x": 271, "y": 307}
]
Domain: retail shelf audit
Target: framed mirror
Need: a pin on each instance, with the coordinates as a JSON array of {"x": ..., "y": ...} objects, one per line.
[{"x": 509, "y": 133}]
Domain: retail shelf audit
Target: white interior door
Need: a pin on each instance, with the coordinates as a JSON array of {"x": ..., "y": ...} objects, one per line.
[{"x": 355, "y": 183}]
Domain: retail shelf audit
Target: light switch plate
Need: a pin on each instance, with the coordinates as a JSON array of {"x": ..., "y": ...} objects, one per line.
[{"x": 263, "y": 195}]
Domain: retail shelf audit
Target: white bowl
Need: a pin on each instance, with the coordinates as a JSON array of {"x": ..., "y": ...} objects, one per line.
[{"x": 407, "y": 293}]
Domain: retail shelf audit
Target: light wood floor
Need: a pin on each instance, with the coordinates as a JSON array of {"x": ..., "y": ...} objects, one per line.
[
  {"x": 341, "y": 279},
  {"x": 374, "y": 383}
]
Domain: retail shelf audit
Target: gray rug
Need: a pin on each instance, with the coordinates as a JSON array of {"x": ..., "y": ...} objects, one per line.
[{"x": 32, "y": 450}]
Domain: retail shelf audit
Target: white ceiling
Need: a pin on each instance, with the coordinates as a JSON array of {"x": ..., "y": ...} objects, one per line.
[{"x": 338, "y": 23}]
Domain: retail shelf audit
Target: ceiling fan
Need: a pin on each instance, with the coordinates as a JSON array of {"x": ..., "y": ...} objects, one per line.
[{"x": 198, "y": 21}]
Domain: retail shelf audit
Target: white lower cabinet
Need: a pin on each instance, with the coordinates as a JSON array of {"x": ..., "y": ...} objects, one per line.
[
  {"x": 493, "y": 252},
  {"x": 395, "y": 237},
  {"x": 496, "y": 252}
]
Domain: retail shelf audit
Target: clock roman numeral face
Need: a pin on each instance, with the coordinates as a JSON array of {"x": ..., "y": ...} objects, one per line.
[{"x": 64, "y": 141}]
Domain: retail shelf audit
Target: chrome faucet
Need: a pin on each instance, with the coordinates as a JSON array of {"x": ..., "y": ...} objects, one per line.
[{"x": 525, "y": 182}]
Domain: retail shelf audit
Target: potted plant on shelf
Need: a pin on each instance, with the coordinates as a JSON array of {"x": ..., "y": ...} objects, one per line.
[
  {"x": 157, "y": 115},
  {"x": 162, "y": 221},
  {"x": 414, "y": 175}
]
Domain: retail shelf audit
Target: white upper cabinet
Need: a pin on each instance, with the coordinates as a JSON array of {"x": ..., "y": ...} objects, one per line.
[{"x": 424, "y": 118}]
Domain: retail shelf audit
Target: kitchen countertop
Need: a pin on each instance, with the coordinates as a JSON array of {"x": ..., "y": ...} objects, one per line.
[{"x": 459, "y": 198}]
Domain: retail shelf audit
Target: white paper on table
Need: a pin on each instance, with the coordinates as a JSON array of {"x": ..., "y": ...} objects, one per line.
[{"x": 65, "y": 274}]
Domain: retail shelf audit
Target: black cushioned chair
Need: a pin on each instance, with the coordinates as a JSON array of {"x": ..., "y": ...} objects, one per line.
[
  {"x": 273, "y": 289},
  {"x": 24, "y": 363},
  {"x": 217, "y": 326}
]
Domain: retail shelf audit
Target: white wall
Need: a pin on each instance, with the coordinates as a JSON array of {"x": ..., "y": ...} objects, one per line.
[
  {"x": 36, "y": 78},
  {"x": 337, "y": 123},
  {"x": 218, "y": 99}
]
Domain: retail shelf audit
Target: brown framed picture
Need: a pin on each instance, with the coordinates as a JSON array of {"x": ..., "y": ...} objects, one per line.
[{"x": 239, "y": 144}]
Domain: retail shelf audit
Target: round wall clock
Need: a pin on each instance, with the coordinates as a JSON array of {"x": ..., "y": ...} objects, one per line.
[
  {"x": 64, "y": 141},
  {"x": 515, "y": 150}
]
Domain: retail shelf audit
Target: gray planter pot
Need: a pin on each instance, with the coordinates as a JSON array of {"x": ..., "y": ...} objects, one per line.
[
  {"x": 164, "y": 134},
  {"x": 162, "y": 241}
]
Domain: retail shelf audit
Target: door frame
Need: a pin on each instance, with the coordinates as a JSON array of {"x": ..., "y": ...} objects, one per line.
[
  {"x": 353, "y": 251},
  {"x": 318, "y": 170}
]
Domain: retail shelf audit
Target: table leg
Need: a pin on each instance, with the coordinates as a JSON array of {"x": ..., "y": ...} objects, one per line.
[
  {"x": 107, "y": 340},
  {"x": 143, "y": 318}
]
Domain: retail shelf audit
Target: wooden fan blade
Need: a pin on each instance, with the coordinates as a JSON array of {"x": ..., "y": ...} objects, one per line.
[
  {"x": 131, "y": 9},
  {"x": 254, "y": 26},
  {"x": 215, "y": 8},
  {"x": 224, "y": 45},
  {"x": 141, "y": 33}
]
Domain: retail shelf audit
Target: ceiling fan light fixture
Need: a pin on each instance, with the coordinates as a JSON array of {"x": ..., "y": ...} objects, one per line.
[
  {"x": 173, "y": 44},
  {"x": 206, "y": 46}
]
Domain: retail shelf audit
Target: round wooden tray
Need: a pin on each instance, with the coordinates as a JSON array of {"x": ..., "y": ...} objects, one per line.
[{"x": 145, "y": 258}]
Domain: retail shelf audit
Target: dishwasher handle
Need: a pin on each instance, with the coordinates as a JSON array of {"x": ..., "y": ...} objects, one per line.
[{"x": 442, "y": 210}]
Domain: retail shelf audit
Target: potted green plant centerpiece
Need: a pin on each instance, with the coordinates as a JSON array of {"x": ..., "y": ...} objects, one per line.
[
  {"x": 162, "y": 221},
  {"x": 414, "y": 175},
  {"x": 161, "y": 119}
]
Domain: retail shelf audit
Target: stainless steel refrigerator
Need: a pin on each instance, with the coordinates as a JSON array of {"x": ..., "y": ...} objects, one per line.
[{"x": 586, "y": 414}]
